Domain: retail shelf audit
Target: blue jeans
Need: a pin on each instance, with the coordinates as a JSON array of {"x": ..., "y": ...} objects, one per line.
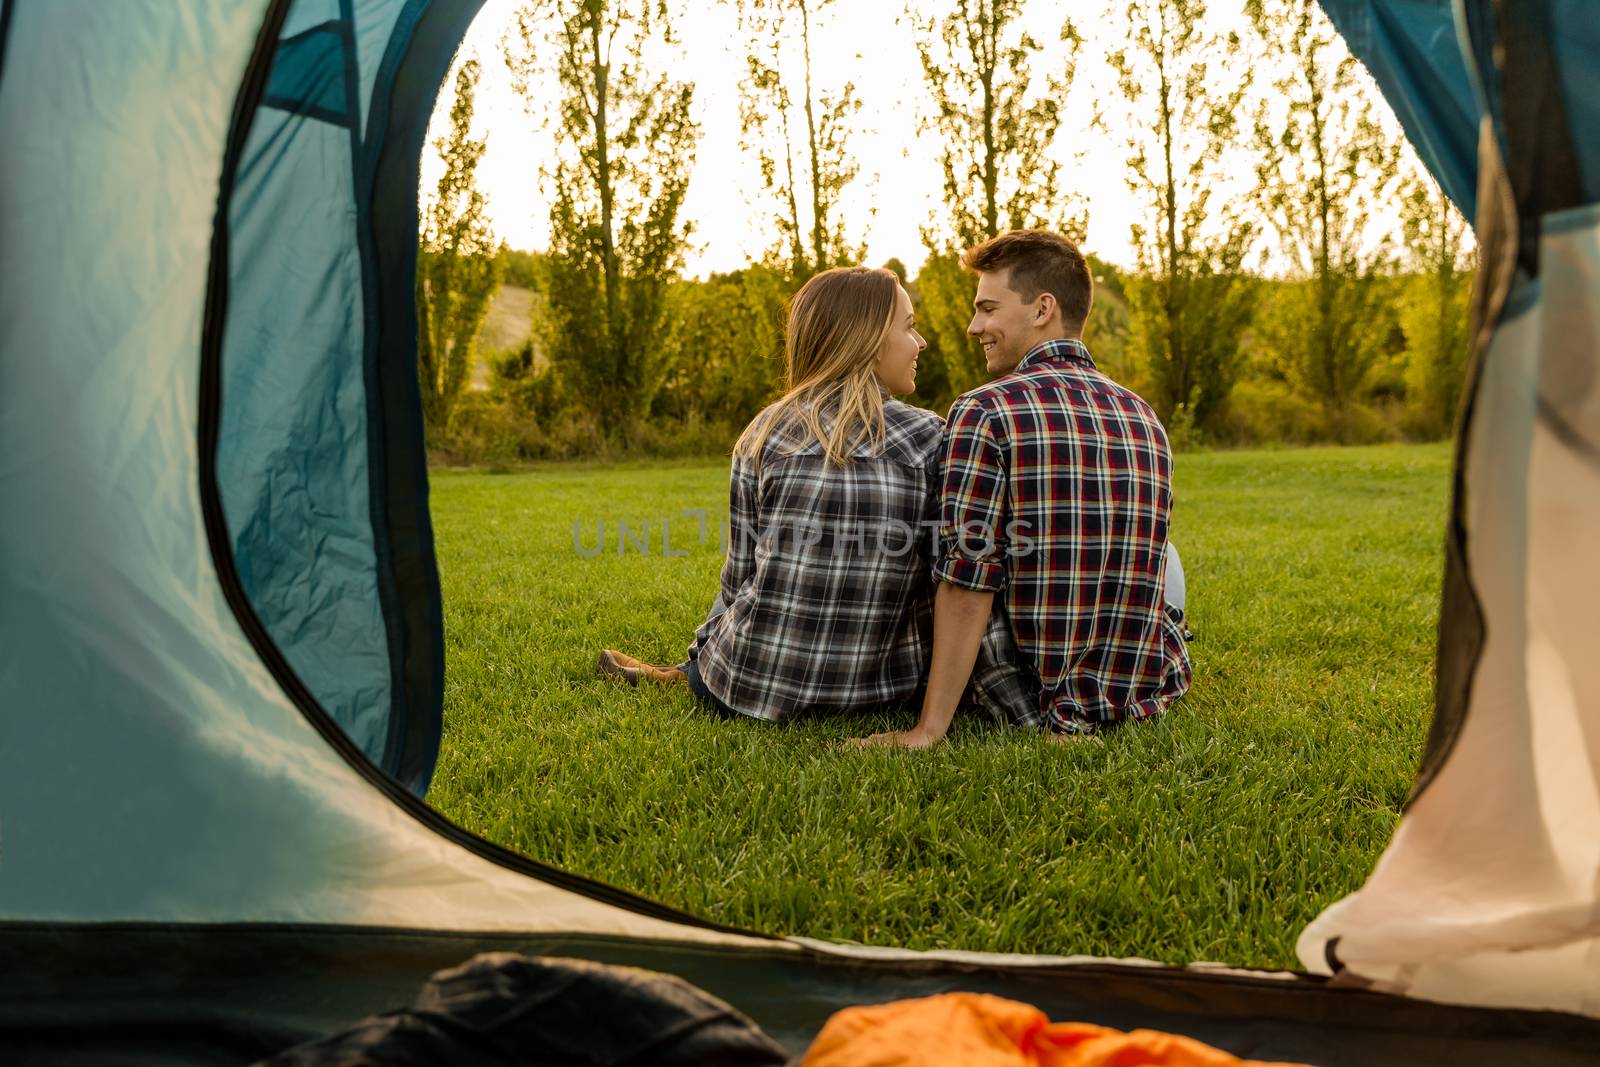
[{"x": 698, "y": 687}]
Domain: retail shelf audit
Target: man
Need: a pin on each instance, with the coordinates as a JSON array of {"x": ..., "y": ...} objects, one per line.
[{"x": 1053, "y": 534}]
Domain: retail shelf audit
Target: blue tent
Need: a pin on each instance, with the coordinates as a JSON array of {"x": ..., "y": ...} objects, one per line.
[{"x": 220, "y": 635}]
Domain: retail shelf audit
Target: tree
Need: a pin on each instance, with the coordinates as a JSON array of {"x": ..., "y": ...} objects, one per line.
[
  {"x": 525, "y": 270},
  {"x": 1433, "y": 311},
  {"x": 457, "y": 263},
  {"x": 812, "y": 233},
  {"x": 1324, "y": 165},
  {"x": 1189, "y": 299},
  {"x": 952, "y": 363},
  {"x": 998, "y": 126},
  {"x": 726, "y": 347},
  {"x": 1106, "y": 332},
  {"x": 624, "y": 149},
  {"x": 997, "y": 123}
]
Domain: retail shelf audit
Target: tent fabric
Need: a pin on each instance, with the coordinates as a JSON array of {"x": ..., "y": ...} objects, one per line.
[
  {"x": 1573, "y": 39},
  {"x": 300, "y": 452},
  {"x": 292, "y": 457},
  {"x": 309, "y": 76},
  {"x": 410, "y": 75},
  {"x": 1488, "y": 892},
  {"x": 167, "y": 773},
  {"x": 1411, "y": 48}
]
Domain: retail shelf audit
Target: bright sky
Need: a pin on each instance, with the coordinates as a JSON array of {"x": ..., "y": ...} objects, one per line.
[{"x": 864, "y": 41}]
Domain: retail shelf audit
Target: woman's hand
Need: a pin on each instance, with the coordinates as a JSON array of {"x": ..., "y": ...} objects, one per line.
[{"x": 916, "y": 737}]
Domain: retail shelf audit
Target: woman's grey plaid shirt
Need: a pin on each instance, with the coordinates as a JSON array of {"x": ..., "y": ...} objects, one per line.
[{"x": 826, "y": 598}]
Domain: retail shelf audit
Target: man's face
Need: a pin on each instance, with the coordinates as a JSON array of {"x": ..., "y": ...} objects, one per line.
[{"x": 1004, "y": 322}]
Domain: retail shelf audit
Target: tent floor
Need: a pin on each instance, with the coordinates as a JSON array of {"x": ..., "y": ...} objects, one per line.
[{"x": 197, "y": 994}]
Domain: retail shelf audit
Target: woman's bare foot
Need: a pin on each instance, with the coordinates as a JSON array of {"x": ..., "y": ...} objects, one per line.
[{"x": 614, "y": 664}]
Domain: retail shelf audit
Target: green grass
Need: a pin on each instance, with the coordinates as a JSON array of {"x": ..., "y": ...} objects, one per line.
[{"x": 1214, "y": 833}]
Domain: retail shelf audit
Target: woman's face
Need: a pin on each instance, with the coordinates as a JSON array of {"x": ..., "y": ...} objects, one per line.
[{"x": 896, "y": 367}]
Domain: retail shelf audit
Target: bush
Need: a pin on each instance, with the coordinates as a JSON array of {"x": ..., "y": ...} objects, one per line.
[
  {"x": 722, "y": 355},
  {"x": 528, "y": 420},
  {"x": 1182, "y": 434},
  {"x": 531, "y": 385},
  {"x": 490, "y": 431},
  {"x": 1267, "y": 411},
  {"x": 694, "y": 437}
]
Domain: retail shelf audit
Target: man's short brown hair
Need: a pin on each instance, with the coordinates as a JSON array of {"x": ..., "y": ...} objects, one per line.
[{"x": 1039, "y": 262}]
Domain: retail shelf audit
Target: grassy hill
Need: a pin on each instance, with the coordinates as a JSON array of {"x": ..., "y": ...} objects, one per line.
[{"x": 510, "y": 323}]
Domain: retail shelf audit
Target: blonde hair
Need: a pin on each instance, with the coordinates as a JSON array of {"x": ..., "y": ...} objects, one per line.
[{"x": 837, "y": 323}]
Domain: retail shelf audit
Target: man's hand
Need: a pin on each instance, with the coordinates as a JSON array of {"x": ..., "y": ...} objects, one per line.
[
  {"x": 912, "y": 738},
  {"x": 959, "y": 616}
]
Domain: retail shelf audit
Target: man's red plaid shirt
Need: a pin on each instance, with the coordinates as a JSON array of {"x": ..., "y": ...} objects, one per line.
[{"x": 1057, "y": 491}]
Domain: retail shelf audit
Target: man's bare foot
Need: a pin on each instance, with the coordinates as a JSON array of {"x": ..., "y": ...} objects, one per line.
[{"x": 625, "y": 668}]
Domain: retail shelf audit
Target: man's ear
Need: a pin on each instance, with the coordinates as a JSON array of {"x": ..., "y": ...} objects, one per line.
[{"x": 1043, "y": 308}]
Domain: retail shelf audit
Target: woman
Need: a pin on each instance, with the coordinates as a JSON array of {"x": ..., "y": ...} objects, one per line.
[{"x": 826, "y": 595}]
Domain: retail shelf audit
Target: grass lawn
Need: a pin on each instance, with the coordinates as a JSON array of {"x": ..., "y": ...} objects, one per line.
[{"x": 1214, "y": 833}]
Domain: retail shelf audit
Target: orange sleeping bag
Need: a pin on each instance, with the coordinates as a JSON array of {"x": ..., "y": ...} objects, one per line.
[{"x": 979, "y": 1030}]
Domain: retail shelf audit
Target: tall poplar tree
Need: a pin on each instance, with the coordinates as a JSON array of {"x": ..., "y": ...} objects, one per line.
[
  {"x": 1325, "y": 164},
  {"x": 799, "y": 131},
  {"x": 625, "y": 146},
  {"x": 457, "y": 263},
  {"x": 1189, "y": 298},
  {"x": 997, "y": 121},
  {"x": 1433, "y": 309}
]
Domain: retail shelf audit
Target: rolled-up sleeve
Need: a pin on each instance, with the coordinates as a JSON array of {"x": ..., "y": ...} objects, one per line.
[{"x": 973, "y": 518}]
